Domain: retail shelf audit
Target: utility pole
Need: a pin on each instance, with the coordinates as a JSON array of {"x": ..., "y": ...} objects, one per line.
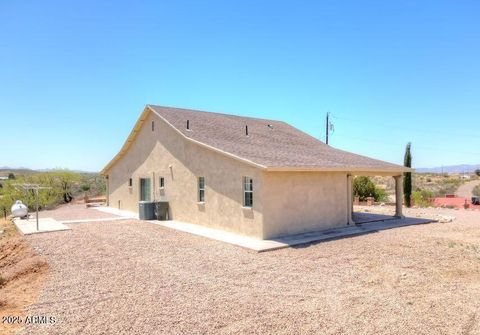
[{"x": 327, "y": 126}]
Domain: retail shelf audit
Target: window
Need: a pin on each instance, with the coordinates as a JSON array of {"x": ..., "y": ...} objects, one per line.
[
  {"x": 201, "y": 189},
  {"x": 153, "y": 125},
  {"x": 130, "y": 182},
  {"x": 145, "y": 189},
  {"x": 247, "y": 192},
  {"x": 162, "y": 182}
]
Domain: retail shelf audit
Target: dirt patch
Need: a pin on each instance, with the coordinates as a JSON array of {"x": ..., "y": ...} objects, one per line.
[{"x": 22, "y": 275}]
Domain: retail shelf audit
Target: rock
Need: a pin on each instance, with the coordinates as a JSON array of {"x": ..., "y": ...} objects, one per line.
[{"x": 445, "y": 218}]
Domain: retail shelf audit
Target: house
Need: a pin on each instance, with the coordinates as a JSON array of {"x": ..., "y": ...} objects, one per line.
[{"x": 255, "y": 177}]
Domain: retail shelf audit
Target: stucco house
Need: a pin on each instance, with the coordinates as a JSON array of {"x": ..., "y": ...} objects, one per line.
[{"x": 255, "y": 177}]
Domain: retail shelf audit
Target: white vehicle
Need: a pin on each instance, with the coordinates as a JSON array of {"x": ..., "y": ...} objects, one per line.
[{"x": 19, "y": 210}]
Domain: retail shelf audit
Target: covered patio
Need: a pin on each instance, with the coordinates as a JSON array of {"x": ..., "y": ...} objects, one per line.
[{"x": 361, "y": 217}]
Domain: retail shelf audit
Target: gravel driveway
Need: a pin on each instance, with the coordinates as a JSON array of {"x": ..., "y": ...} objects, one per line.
[
  {"x": 465, "y": 190},
  {"x": 131, "y": 277}
]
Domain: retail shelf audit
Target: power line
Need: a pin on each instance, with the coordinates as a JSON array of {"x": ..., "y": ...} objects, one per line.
[
  {"x": 396, "y": 126},
  {"x": 402, "y": 144}
]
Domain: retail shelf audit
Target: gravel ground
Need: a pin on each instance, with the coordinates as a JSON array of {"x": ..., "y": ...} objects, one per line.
[
  {"x": 74, "y": 212},
  {"x": 131, "y": 277}
]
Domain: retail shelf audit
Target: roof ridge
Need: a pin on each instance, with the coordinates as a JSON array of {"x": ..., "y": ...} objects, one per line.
[{"x": 218, "y": 113}]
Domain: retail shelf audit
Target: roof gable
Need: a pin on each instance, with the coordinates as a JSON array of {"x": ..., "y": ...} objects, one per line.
[{"x": 269, "y": 144}]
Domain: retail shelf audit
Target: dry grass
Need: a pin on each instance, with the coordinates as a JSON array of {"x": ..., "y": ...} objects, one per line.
[
  {"x": 438, "y": 184},
  {"x": 22, "y": 274},
  {"x": 132, "y": 277}
]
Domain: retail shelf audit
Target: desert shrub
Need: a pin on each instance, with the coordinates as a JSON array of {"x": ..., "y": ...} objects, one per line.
[
  {"x": 477, "y": 172},
  {"x": 381, "y": 195},
  {"x": 85, "y": 187},
  {"x": 363, "y": 187},
  {"x": 421, "y": 198},
  {"x": 60, "y": 186},
  {"x": 3, "y": 281}
]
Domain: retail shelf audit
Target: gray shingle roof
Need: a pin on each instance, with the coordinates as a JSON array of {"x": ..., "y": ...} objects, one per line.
[{"x": 272, "y": 144}]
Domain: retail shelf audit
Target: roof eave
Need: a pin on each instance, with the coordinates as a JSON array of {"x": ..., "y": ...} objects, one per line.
[
  {"x": 353, "y": 170},
  {"x": 131, "y": 137}
]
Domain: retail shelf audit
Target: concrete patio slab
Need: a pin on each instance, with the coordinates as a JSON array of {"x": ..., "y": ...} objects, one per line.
[
  {"x": 29, "y": 226},
  {"x": 363, "y": 217},
  {"x": 294, "y": 240}
]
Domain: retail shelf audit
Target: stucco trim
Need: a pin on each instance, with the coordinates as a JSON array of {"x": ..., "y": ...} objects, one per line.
[
  {"x": 359, "y": 170},
  {"x": 133, "y": 134}
]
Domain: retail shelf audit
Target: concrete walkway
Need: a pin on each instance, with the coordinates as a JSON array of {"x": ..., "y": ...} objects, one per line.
[
  {"x": 465, "y": 190},
  {"x": 290, "y": 241},
  {"x": 45, "y": 225},
  {"x": 364, "y": 217}
]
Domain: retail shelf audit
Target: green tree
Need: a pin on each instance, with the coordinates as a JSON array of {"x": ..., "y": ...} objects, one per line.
[
  {"x": 407, "y": 177},
  {"x": 65, "y": 180},
  {"x": 363, "y": 187},
  {"x": 11, "y": 175}
]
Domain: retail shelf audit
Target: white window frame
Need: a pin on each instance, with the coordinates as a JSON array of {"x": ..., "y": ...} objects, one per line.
[
  {"x": 247, "y": 189},
  {"x": 201, "y": 189}
]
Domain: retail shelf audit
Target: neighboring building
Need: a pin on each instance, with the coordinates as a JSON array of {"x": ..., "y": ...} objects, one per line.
[{"x": 255, "y": 177}]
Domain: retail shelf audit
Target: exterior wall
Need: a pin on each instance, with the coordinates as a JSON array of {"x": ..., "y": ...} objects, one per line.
[
  {"x": 296, "y": 202},
  {"x": 151, "y": 155}
]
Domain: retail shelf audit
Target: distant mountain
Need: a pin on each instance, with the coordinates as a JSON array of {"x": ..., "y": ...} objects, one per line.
[
  {"x": 22, "y": 170},
  {"x": 463, "y": 168}
]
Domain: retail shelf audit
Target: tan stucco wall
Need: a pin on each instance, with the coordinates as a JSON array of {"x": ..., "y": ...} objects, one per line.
[
  {"x": 297, "y": 202},
  {"x": 150, "y": 156}
]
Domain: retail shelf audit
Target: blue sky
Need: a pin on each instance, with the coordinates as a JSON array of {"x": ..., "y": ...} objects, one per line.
[{"x": 74, "y": 76}]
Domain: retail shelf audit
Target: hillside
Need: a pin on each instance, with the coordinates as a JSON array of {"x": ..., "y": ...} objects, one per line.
[{"x": 462, "y": 168}]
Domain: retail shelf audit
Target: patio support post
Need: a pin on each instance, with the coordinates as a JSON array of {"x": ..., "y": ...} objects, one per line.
[
  {"x": 398, "y": 195},
  {"x": 350, "y": 199}
]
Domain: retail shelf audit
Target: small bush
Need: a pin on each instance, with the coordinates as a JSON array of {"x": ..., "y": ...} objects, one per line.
[
  {"x": 85, "y": 187},
  {"x": 363, "y": 187},
  {"x": 3, "y": 281},
  {"x": 421, "y": 198},
  {"x": 381, "y": 195}
]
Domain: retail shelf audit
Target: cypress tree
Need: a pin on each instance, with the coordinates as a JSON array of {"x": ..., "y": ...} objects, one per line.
[{"x": 407, "y": 177}]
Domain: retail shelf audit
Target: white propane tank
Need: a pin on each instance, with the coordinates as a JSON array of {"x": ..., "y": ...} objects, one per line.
[{"x": 19, "y": 210}]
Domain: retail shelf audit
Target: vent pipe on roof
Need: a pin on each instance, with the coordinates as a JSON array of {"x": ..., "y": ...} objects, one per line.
[
  {"x": 188, "y": 124},
  {"x": 246, "y": 130}
]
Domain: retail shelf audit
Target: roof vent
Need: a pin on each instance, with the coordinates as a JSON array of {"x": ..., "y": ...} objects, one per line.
[
  {"x": 246, "y": 130},
  {"x": 188, "y": 124}
]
